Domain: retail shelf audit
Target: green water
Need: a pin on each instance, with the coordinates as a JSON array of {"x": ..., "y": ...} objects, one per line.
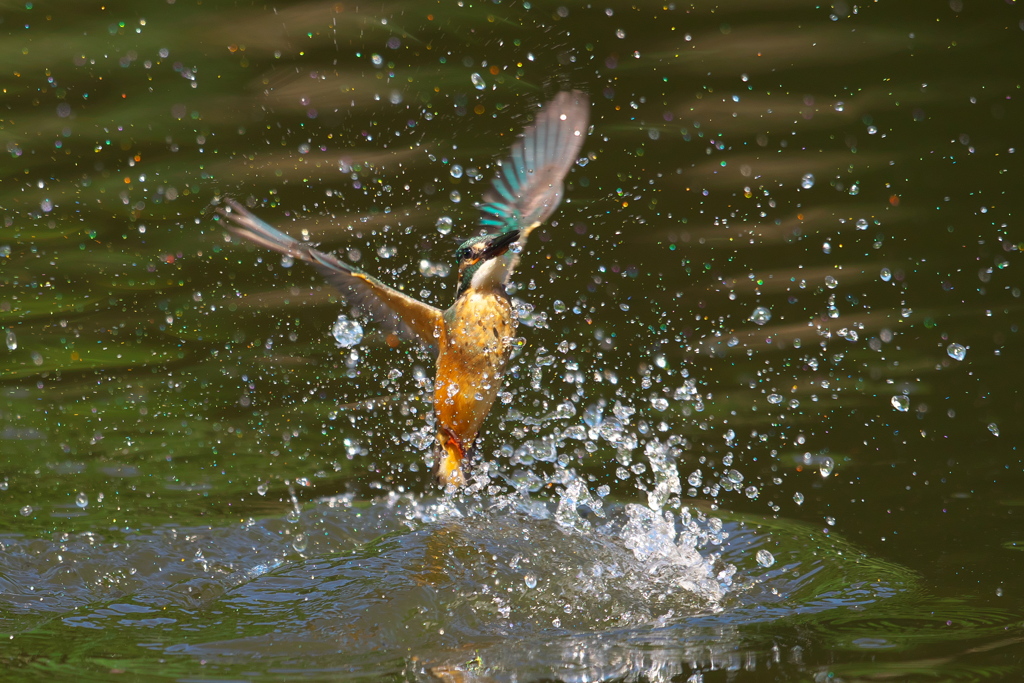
[{"x": 177, "y": 423}]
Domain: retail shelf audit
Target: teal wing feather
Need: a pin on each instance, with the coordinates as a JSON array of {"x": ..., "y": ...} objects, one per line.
[
  {"x": 396, "y": 311},
  {"x": 528, "y": 186}
]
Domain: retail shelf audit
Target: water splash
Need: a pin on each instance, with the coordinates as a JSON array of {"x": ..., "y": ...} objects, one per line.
[{"x": 408, "y": 583}]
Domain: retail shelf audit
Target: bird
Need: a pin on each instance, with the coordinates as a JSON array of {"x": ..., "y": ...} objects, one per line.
[{"x": 474, "y": 337}]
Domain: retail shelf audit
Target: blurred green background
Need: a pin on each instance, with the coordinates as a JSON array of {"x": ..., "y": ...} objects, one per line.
[{"x": 852, "y": 170}]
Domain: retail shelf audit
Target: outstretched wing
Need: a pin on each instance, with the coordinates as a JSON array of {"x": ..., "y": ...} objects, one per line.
[
  {"x": 528, "y": 186},
  {"x": 393, "y": 309}
]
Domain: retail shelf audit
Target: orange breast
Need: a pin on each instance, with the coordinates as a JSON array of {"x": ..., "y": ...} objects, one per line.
[{"x": 473, "y": 350}]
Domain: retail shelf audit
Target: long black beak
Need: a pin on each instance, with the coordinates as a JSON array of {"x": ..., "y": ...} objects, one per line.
[{"x": 498, "y": 244}]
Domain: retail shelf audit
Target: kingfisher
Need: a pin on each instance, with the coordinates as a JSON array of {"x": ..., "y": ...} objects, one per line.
[{"x": 473, "y": 338}]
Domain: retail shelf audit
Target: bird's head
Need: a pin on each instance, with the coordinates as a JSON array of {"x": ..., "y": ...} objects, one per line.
[{"x": 475, "y": 253}]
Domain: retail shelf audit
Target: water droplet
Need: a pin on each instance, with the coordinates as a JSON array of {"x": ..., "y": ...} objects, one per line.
[
  {"x": 346, "y": 332},
  {"x": 825, "y": 467},
  {"x": 798, "y": 498},
  {"x": 862, "y": 224},
  {"x": 833, "y": 312},
  {"x": 263, "y": 488},
  {"x": 455, "y": 196},
  {"x": 444, "y": 225},
  {"x": 901, "y": 403},
  {"x": 885, "y": 274},
  {"x": 994, "y": 428},
  {"x": 82, "y": 500},
  {"x": 478, "y": 81},
  {"x": 377, "y": 60},
  {"x": 807, "y": 182},
  {"x": 761, "y": 315},
  {"x": 26, "y": 511},
  {"x": 831, "y": 282},
  {"x": 530, "y": 580},
  {"x": 956, "y": 351},
  {"x": 774, "y": 399},
  {"x": 456, "y": 171},
  {"x": 12, "y": 340},
  {"x": 300, "y": 542},
  {"x": 659, "y": 403},
  {"x": 565, "y": 410},
  {"x": 765, "y": 558}
]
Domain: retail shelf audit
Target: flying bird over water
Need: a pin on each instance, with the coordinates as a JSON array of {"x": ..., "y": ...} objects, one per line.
[{"x": 473, "y": 337}]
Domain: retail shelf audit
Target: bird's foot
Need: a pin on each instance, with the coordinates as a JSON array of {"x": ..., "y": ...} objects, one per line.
[{"x": 449, "y": 458}]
